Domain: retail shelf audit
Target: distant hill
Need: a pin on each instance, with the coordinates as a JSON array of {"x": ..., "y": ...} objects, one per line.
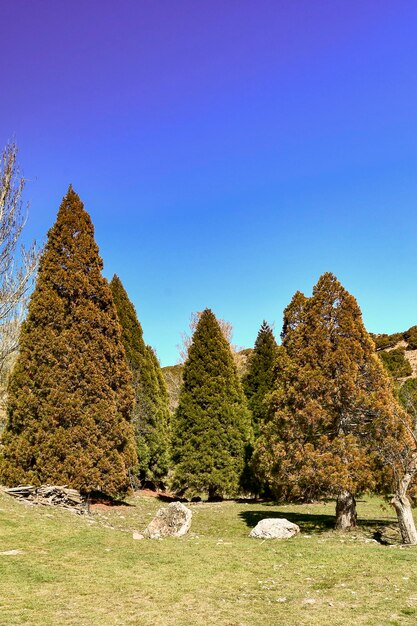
[
  {"x": 398, "y": 352},
  {"x": 173, "y": 379}
]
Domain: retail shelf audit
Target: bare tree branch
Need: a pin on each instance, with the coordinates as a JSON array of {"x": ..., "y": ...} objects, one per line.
[
  {"x": 187, "y": 339},
  {"x": 17, "y": 263}
]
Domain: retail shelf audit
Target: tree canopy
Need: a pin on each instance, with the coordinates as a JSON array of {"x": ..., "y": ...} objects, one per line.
[{"x": 70, "y": 393}]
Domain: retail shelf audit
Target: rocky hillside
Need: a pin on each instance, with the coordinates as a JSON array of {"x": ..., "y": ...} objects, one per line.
[{"x": 399, "y": 353}]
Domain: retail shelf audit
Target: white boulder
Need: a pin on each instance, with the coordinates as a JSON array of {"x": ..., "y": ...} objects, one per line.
[{"x": 274, "y": 528}]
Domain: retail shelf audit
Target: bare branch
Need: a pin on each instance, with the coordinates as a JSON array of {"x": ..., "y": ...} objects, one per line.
[
  {"x": 17, "y": 264},
  {"x": 187, "y": 338}
]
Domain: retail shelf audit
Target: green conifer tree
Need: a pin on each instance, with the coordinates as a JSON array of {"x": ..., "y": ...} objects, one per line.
[
  {"x": 70, "y": 393},
  {"x": 212, "y": 422},
  {"x": 330, "y": 388},
  {"x": 151, "y": 416},
  {"x": 258, "y": 382}
]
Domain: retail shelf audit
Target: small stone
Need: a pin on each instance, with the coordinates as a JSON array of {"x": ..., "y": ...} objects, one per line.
[
  {"x": 11, "y": 552},
  {"x": 138, "y": 536}
]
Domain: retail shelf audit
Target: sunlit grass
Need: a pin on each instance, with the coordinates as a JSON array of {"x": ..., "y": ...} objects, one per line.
[{"x": 88, "y": 570}]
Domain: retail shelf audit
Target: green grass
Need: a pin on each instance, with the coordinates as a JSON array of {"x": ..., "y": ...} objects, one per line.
[{"x": 86, "y": 570}]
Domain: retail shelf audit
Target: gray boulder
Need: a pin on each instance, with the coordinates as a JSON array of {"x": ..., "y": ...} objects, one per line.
[
  {"x": 274, "y": 528},
  {"x": 173, "y": 520}
]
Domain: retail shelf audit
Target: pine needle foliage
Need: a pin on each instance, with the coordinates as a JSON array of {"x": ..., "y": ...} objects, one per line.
[
  {"x": 70, "y": 393},
  {"x": 151, "y": 415},
  {"x": 259, "y": 379},
  {"x": 212, "y": 423}
]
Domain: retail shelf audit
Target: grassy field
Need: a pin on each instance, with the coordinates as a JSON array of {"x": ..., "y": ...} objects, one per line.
[{"x": 87, "y": 570}]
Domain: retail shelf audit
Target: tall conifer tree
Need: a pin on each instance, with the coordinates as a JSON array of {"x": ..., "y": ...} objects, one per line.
[
  {"x": 330, "y": 388},
  {"x": 151, "y": 416},
  {"x": 70, "y": 394},
  {"x": 259, "y": 379},
  {"x": 212, "y": 422}
]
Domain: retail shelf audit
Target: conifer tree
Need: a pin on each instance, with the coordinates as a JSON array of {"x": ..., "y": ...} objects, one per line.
[
  {"x": 151, "y": 417},
  {"x": 330, "y": 388},
  {"x": 212, "y": 422},
  {"x": 259, "y": 379},
  {"x": 70, "y": 393}
]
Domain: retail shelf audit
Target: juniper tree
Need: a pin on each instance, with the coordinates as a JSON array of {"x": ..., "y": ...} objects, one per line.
[
  {"x": 212, "y": 421},
  {"x": 151, "y": 416},
  {"x": 330, "y": 389},
  {"x": 70, "y": 393}
]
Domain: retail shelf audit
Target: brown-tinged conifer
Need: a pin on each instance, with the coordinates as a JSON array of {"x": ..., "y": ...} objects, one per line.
[
  {"x": 70, "y": 394},
  {"x": 330, "y": 389}
]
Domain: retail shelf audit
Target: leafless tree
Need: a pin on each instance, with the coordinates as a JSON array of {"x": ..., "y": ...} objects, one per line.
[
  {"x": 173, "y": 379},
  {"x": 187, "y": 338},
  {"x": 17, "y": 263}
]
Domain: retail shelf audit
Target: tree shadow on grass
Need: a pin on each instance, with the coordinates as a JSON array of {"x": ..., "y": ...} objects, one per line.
[
  {"x": 308, "y": 522},
  {"x": 163, "y": 497},
  {"x": 98, "y": 498}
]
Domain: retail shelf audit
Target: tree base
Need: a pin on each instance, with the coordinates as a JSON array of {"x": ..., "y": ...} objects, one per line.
[
  {"x": 346, "y": 515},
  {"x": 406, "y": 523}
]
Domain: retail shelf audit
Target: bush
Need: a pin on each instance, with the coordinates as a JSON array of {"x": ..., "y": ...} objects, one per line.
[
  {"x": 396, "y": 363},
  {"x": 384, "y": 341},
  {"x": 410, "y": 337}
]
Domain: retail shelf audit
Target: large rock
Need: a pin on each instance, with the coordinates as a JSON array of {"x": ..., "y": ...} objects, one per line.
[
  {"x": 274, "y": 528},
  {"x": 173, "y": 520}
]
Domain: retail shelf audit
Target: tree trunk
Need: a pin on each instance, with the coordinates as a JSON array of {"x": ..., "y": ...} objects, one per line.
[
  {"x": 402, "y": 507},
  {"x": 213, "y": 494},
  {"x": 405, "y": 518},
  {"x": 345, "y": 511}
]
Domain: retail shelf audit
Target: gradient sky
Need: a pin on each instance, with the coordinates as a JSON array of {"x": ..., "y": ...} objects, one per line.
[{"x": 229, "y": 152}]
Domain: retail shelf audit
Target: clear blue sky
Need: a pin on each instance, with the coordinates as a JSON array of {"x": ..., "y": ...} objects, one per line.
[{"x": 229, "y": 152}]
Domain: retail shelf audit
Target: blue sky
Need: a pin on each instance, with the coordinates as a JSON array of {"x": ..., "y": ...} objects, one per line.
[{"x": 228, "y": 152}]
